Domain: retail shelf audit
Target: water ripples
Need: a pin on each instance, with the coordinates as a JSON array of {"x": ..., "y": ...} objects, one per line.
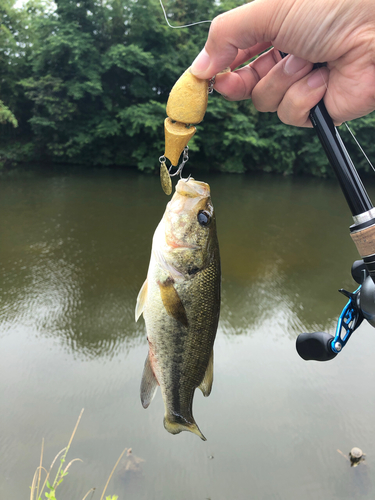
[
  {"x": 73, "y": 257},
  {"x": 51, "y": 298}
]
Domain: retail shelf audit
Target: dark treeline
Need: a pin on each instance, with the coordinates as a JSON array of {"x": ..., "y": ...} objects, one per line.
[{"x": 87, "y": 82}]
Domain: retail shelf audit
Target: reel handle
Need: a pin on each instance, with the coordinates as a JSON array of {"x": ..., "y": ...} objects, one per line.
[{"x": 315, "y": 346}]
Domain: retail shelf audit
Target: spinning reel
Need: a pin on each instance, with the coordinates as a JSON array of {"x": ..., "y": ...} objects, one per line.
[{"x": 321, "y": 346}]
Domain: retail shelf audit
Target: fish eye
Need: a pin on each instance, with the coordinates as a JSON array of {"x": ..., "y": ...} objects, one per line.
[{"x": 204, "y": 218}]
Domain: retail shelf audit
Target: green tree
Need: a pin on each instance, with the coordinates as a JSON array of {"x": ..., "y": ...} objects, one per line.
[{"x": 87, "y": 82}]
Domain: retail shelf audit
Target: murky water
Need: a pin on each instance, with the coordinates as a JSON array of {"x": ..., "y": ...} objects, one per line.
[{"x": 74, "y": 252}]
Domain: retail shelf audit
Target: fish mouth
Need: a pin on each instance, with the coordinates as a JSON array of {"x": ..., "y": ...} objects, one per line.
[{"x": 193, "y": 188}]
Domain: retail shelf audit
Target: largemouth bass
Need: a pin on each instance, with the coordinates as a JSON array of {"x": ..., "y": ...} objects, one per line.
[{"x": 180, "y": 302}]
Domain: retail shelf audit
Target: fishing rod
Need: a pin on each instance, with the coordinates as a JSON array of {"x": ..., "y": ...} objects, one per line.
[{"x": 322, "y": 346}]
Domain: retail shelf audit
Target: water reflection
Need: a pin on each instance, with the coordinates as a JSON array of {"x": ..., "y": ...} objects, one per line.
[
  {"x": 286, "y": 251},
  {"x": 70, "y": 260},
  {"x": 75, "y": 252}
]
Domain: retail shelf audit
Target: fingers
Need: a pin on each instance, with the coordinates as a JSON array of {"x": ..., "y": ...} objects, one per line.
[
  {"x": 239, "y": 84},
  {"x": 255, "y": 23},
  {"x": 301, "y": 97},
  {"x": 269, "y": 92},
  {"x": 247, "y": 54},
  {"x": 288, "y": 87},
  {"x": 265, "y": 80}
]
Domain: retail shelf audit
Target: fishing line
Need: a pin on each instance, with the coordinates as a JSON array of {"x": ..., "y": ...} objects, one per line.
[
  {"x": 185, "y": 25},
  {"x": 349, "y": 129},
  {"x": 360, "y": 147}
]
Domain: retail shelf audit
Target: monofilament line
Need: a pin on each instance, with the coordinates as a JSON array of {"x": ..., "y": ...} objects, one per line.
[
  {"x": 360, "y": 147},
  {"x": 351, "y": 133},
  {"x": 185, "y": 25}
]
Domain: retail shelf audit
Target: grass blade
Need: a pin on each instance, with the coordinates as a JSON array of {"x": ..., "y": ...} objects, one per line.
[{"x": 111, "y": 474}]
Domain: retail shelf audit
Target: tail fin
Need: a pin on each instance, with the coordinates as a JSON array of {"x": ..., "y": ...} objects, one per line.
[{"x": 176, "y": 424}]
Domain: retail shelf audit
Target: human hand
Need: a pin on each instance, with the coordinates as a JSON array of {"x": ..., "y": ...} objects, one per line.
[{"x": 338, "y": 32}]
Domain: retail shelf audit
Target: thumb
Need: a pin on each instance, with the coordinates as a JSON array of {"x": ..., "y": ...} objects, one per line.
[{"x": 242, "y": 28}]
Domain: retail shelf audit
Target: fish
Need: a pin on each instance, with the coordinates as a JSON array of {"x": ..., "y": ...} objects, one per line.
[{"x": 180, "y": 303}]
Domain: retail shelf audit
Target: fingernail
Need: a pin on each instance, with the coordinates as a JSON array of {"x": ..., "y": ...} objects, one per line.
[
  {"x": 294, "y": 64},
  {"x": 316, "y": 80},
  {"x": 200, "y": 63}
]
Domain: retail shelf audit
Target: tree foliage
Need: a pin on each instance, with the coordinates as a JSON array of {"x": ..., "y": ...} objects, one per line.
[{"x": 87, "y": 82}]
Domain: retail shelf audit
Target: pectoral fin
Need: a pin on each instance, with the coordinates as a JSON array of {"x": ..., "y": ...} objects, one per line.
[
  {"x": 206, "y": 384},
  {"x": 149, "y": 384},
  {"x": 161, "y": 260},
  {"x": 172, "y": 301},
  {"x": 141, "y": 300}
]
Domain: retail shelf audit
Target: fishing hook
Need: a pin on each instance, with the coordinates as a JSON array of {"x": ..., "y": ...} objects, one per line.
[{"x": 185, "y": 158}]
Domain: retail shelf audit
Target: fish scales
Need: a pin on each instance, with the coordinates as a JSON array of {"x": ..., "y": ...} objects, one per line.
[
  {"x": 181, "y": 307},
  {"x": 191, "y": 346}
]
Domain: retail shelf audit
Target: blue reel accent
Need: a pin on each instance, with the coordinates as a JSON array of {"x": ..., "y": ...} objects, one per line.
[
  {"x": 321, "y": 346},
  {"x": 349, "y": 320}
]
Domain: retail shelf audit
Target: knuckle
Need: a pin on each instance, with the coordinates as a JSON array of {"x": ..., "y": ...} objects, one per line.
[
  {"x": 285, "y": 117},
  {"x": 217, "y": 26},
  {"x": 292, "y": 109},
  {"x": 264, "y": 105},
  {"x": 300, "y": 119}
]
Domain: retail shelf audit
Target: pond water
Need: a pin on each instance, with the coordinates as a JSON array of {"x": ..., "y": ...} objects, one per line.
[{"x": 74, "y": 252}]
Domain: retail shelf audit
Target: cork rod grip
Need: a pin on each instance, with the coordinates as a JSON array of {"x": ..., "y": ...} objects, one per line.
[{"x": 364, "y": 240}]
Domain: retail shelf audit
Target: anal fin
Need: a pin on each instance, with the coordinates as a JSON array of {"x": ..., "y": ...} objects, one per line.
[{"x": 206, "y": 384}]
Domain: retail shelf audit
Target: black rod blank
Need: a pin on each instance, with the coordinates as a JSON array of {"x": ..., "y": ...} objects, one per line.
[{"x": 346, "y": 173}]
